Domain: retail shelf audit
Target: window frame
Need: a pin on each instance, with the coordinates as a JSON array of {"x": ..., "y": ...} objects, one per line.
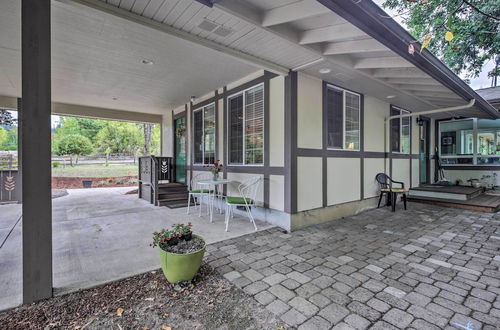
[
  {"x": 401, "y": 110},
  {"x": 202, "y": 109},
  {"x": 475, "y": 146},
  {"x": 344, "y": 91},
  {"x": 242, "y": 92}
]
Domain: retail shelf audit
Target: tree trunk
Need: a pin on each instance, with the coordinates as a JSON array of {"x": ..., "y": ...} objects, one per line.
[{"x": 148, "y": 129}]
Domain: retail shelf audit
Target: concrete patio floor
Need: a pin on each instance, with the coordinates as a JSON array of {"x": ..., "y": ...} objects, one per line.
[
  {"x": 425, "y": 268},
  {"x": 100, "y": 235}
]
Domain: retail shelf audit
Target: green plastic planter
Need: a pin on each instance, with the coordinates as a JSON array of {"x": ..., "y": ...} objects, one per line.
[{"x": 181, "y": 267}]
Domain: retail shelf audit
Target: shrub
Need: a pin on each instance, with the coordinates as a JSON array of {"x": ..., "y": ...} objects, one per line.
[{"x": 55, "y": 164}]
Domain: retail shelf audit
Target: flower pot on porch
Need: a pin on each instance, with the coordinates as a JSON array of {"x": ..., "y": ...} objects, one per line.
[{"x": 181, "y": 267}]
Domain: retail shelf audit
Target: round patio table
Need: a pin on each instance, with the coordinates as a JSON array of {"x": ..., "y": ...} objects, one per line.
[{"x": 214, "y": 183}]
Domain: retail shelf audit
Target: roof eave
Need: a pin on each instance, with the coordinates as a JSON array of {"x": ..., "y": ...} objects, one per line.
[{"x": 371, "y": 19}]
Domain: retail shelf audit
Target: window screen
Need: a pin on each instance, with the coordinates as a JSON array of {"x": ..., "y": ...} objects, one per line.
[{"x": 246, "y": 127}]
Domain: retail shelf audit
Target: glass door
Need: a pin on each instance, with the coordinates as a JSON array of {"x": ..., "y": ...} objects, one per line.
[
  {"x": 424, "y": 152},
  {"x": 180, "y": 149}
]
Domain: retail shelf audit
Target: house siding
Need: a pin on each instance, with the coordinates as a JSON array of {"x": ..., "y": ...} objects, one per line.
[
  {"x": 271, "y": 192},
  {"x": 337, "y": 183},
  {"x": 329, "y": 183}
]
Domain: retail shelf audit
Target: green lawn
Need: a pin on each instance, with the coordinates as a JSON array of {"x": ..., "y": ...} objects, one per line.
[{"x": 95, "y": 170}]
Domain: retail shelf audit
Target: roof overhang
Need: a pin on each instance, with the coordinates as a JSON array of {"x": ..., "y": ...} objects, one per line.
[{"x": 374, "y": 21}]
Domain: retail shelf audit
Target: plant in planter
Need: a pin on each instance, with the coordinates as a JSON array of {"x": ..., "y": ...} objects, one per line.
[
  {"x": 181, "y": 252},
  {"x": 184, "y": 230}
]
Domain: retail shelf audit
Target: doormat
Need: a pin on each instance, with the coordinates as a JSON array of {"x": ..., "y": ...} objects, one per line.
[{"x": 176, "y": 204}]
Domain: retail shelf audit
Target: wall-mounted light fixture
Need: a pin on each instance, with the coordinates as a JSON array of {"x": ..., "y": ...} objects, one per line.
[{"x": 420, "y": 121}]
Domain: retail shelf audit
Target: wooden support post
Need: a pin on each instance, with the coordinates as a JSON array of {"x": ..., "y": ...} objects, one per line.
[{"x": 36, "y": 186}]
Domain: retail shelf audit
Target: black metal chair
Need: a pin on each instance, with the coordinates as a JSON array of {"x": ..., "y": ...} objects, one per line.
[{"x": 385, "y": 183}]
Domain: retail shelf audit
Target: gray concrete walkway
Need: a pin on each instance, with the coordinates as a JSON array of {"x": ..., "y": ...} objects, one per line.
[
  {"x": 425, "y": 268},
  {"x": 100, "y": 235}
]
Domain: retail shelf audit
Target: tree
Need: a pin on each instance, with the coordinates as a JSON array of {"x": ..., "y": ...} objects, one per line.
[
  {"x": 148, "y": 129},
  {"x": 9, "y": 140},
  {"x": 84, "y": 126},
  {"x": 74, "y": 145},
  {"x": 119, "y": 137},
  {"x": 6, "y": 118},
  {"x": 3, "y": 138},
  {"x": 463, "y": 33}
]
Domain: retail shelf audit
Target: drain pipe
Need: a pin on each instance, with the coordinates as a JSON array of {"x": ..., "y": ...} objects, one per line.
[{"x": 413, "y": 114}]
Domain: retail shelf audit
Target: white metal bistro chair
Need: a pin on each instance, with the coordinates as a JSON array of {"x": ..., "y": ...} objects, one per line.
[
  {"x": 198, "y": 192},
  {"x": 247, "y": 193}
]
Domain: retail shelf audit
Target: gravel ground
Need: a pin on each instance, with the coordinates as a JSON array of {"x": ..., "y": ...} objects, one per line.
[{"x": 148, "y": 301}]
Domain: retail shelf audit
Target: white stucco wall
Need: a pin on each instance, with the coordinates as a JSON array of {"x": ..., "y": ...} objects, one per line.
[
  {"x": 372, "y": 167},
  {"x": 277, "y": 121},
  {"x": 167, "y": 145},
  {"x": 344, "y": 180},
  {"x": 375, "y": 111},
  {"x": 277, "y": 192},
  {"x": 243, "y": 80},
  {"x": 309, "y": 183},
  {"x": 401, "y": 171},
  {"x": 309, "y": 112}
]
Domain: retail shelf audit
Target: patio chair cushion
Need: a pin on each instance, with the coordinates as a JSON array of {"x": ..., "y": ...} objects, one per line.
[
  {"x": 396, "y": 190},
  {"x": 238, "y": 200},
  {"x": 201, "y": 191}
]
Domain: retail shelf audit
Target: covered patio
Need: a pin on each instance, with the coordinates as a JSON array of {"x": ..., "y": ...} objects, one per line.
[
  {"x": 100, "y": 235},
  {"x": 313, "y": 97}
]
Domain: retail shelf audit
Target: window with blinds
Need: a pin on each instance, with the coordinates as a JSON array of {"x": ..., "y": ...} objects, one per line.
[
  {"x": 246, "y": 127},
  {"x": 204, "y": 134},
  {"x": 400, "y": 131},
  {"x": 343, "y": 118}
]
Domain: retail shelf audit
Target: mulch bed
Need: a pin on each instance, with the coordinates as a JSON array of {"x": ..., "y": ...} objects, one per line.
[
  {"x": 183, "y": 247},
  {"x": 76, "y": 182},
  {"x": 148, "y": 301}
]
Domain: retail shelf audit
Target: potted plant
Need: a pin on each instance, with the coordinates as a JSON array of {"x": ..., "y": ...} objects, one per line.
[
  {"x": 184, "y": 230},
  {"x": 181, "y": 252},
  {"x": 215, "y": 168}
]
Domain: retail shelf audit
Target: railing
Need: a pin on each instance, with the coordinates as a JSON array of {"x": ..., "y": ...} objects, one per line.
[
  {"x": 8, "y": 161},
  {"x": 153, "y": 171},
  {"x": 10, "y": 189}
]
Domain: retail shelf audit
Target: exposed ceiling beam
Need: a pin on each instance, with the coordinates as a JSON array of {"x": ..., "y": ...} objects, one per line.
[
  {"x": 354, "y": 46},
  {"x": 118, "y": 12},
  {"x": 412, "y": 81},
  {"x": 242, "y": 11},
  {"x": 248, "y": 14},
  {"x": 292, "y": 12},
  {"x": 382, "y": 62},
  {"x": 407, "y": 73},
  {"x": 331, "y": 33}
]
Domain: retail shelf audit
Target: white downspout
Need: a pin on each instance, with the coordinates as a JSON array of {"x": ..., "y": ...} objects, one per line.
[{"x": 413, "y": 114}]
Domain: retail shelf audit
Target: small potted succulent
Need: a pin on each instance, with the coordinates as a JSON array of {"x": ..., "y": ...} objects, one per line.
[{"x": 181, "y": 252}]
